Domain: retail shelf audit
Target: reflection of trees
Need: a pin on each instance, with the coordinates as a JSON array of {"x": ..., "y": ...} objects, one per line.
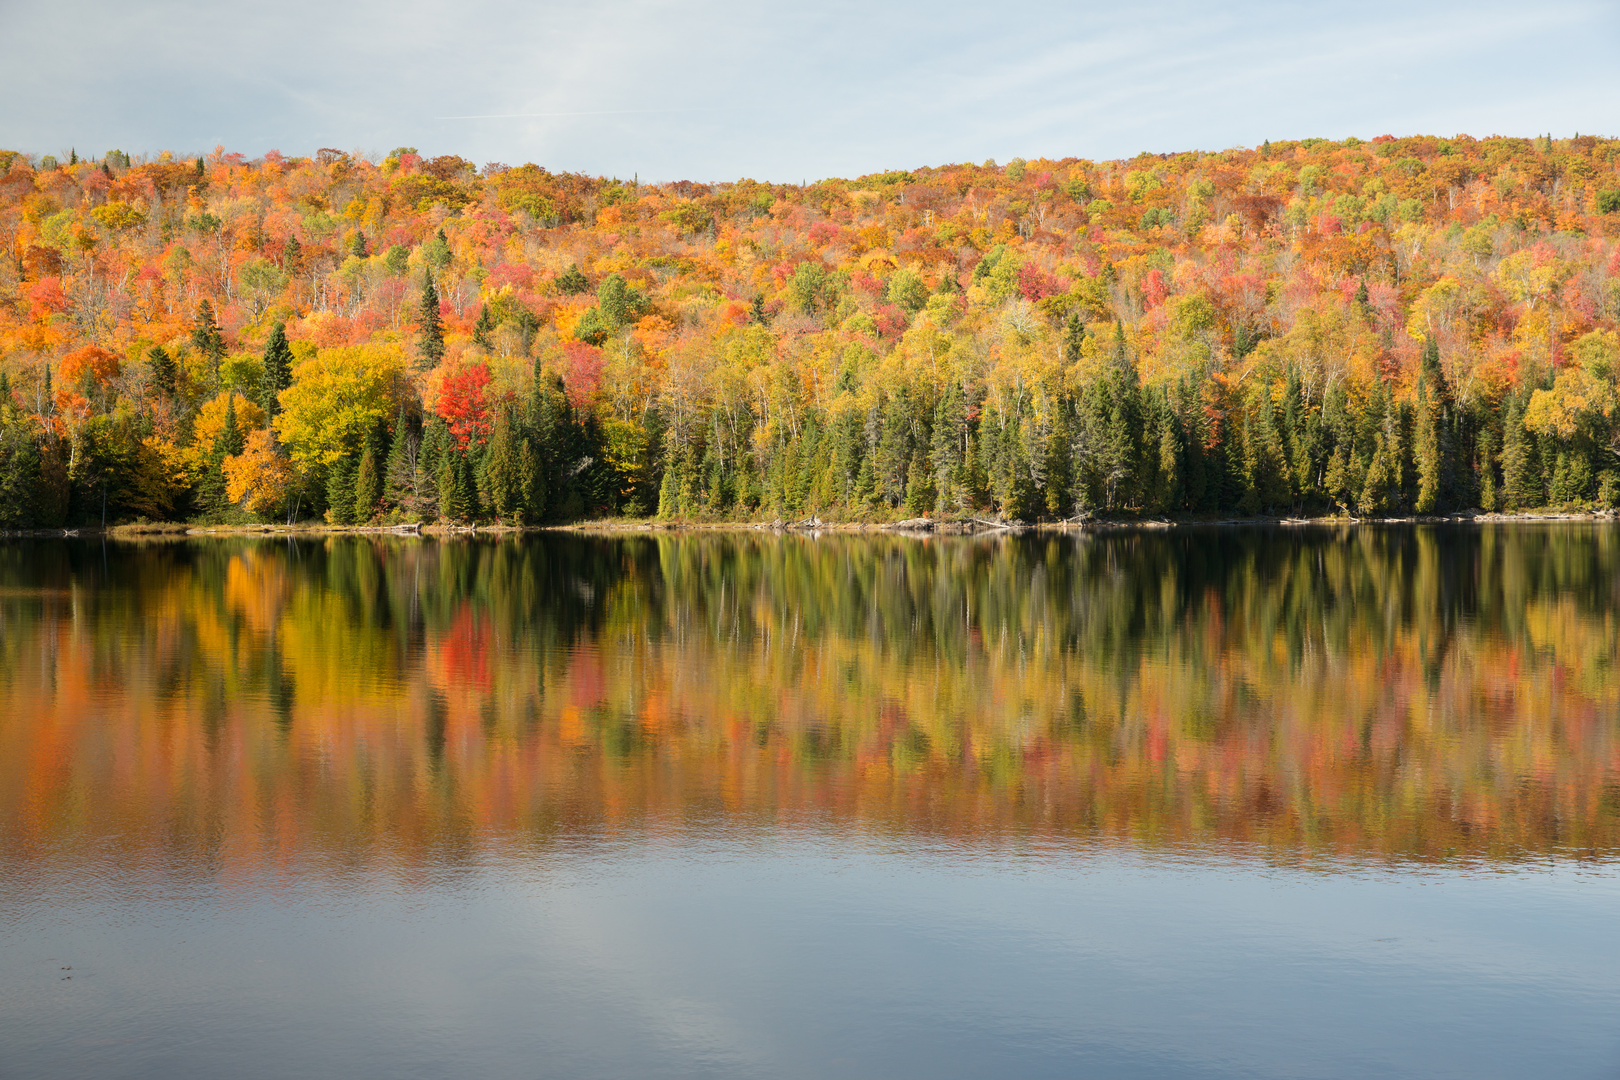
[{"x": 1413, "y": 692}]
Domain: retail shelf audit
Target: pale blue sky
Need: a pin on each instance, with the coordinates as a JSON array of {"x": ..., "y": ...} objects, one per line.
[{"x": 724, "y": 89}]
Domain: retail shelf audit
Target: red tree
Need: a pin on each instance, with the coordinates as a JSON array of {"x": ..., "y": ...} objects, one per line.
[{"x": 463, "y": 403}]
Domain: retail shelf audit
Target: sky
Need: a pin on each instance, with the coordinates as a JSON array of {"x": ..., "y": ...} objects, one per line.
[{"x": 723, "y": 89}]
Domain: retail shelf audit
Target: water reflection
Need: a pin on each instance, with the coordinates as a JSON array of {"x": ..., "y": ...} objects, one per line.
[{"x": 229, "y": 706}]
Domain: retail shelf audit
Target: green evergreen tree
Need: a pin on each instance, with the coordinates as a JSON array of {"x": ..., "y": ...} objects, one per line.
[
  {"x": 1375, "y": 491},
  {"x": 1521, "y": 483},
  {"x": 19, "y": 469},
  {"x": 1486, "y": 458},
  {"x": 531, "y": 481},
  {"x": 503, "y": 469},
  {"x": 340, "y": 497},
  {"x": 436, "y": 252},
  {"x": 277, "y": 373},
  {"x": 358, "y": 248},
  {"x": 430, "y": 349},
  {"x": 1169, "y": 495},
  {"x": 573, "y": 282},
  {"x": 368, "y": 485},
  {"x": 456, "y": 493},
  {"x": 1426, "y": 450},
  {"x": 669, "y": 492},
  {"x": 482, "y": 329},
  {"x": 206, "y": 336},
  {"x": 402, "y": 475},
  {"x": 1074, "y": 337},
  {"x": 164, "y": 370},
  {"x": 230, "y": 440}
]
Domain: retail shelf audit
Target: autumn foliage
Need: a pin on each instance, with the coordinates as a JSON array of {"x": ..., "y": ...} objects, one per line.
[{"x": 1385, "y": 327}]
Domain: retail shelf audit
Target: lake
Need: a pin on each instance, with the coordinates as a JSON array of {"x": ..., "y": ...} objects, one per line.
[{"x": 1250, "y": 802}]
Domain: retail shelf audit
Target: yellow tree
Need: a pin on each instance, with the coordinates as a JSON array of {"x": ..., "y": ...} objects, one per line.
[{"x": 336, "y": 397}]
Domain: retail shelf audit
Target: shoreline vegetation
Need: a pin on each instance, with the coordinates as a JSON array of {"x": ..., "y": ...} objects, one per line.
[
  {"x": 1385, "y": 329},
  {"x": 814, "y": 524}
]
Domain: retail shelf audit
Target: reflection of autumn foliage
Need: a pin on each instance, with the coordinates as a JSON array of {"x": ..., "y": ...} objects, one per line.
[
  {"x": 1400, "y": 694},
  {"x": 463, "y": 651}
]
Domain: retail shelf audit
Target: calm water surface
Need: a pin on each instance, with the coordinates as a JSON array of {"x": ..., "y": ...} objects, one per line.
[{"x": 1253, "y": 803}]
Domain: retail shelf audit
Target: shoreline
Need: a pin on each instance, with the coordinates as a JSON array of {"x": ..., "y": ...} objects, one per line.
[{"x": 907, "y": 527}]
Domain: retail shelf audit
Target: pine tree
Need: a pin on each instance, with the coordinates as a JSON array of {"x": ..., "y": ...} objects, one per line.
[
  {"x": 1426, "y": 449},
  {"x": 430, "y": 350},
  {"x": 482, "y": 328},
  {"x": 466, "y": 490},
  {"x": 206, "y": 336},
  {"x": 164, "y": 370},
  {"x": 573, "y": 282},
  {"x": 1169, "y": 465},
  {"x": 1375, "y": 489},
  {"x": 367, "y": 486},
  {"x": 292, "y": 256},
  {"x": 402, "y": 477},
  {"x": 358, "y": 249},
  {"x": 277, "y": 374},
  {"x": 340, "y": 478},
  {"x": 1074, "y": 337},
  {"x": 1487, "y": 470},
  {"x": 436, "y": 252},
  {"x": 1521, "y": 485},
  {"x": 503, "y": 468},
  {"x": 19, "y": 469},
  {"x": 531, "y": 482},
  {"x": 230, "y": 440}
]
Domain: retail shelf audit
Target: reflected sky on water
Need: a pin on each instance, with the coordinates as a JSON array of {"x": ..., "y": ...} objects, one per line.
[{"x": 1256, "y": 802}]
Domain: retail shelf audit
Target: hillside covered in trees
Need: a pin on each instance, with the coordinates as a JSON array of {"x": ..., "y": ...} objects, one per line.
[{"x": 1394, "y": 326}]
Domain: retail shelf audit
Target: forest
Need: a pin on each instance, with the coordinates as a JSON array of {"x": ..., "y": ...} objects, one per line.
[{"x": 1368, "y": 328}]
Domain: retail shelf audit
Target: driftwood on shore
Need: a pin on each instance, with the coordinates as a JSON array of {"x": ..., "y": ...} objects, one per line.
[{"x": 812, "y": 524}]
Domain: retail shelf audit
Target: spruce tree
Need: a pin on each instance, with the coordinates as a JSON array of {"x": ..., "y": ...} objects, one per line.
[
  {"x": 1426, "y": 449},
  {"x": 1486, "y": 457},
  {"x": 503, "y": 469},
  {"x": 277, "y": 375},
  {"x": 19, "y": 470},
  {"x": 452, "y": 503},
  {"x": 1375, "y": 489},
  {"x": 531, "y": 482},
  {"x": 230, "y": 440},
  {"x": 430, "y": 350},
  {"x": 358, "y": 249},
  {"x": 949, "y": 439},
  {"x": 340, "y": 477},
  {"x": 573, "y": 282},
  {"x": 482, "y": 328},
  {"x": 367, "y": 486},
  {"x": 292, "y": 256},
  {"x": 206, "y": 336},
  {"x": 1521, "y": 487},
  {"x": 164, "y": 370},
  {"x": 466, "y": 490}
]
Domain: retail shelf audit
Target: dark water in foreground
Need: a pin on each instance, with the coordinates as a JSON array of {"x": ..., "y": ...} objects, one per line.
[{"x": 1195, "y": 804}]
